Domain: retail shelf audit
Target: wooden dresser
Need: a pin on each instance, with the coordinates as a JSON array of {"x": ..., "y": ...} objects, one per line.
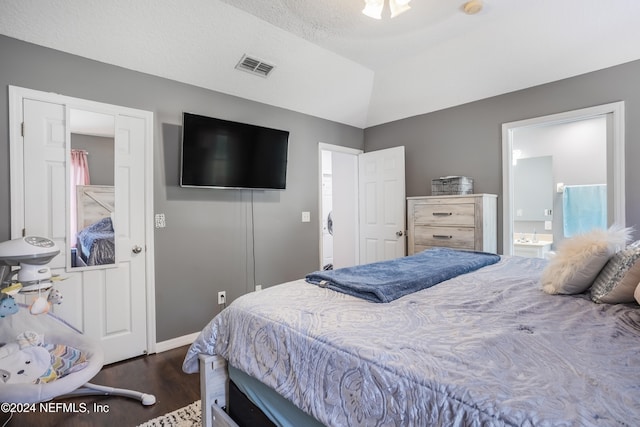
[{"x": 459, "y": 222}]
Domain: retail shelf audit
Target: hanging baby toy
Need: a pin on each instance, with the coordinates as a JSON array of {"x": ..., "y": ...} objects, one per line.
[{"x": 32, "y": 254}]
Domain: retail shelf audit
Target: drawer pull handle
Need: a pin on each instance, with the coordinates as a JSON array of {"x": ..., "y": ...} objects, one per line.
[
  {"x": 442, "y": 236},
  {"x": 442, "y": 213}
]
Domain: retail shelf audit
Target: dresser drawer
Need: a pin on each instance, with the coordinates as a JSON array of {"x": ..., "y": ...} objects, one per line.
[
  {"x": 445, "y": 214},
  {"x": 451, "y": 237}
]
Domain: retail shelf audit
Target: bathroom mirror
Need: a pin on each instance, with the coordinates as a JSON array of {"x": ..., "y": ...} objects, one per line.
[
  {"x": 92, "y": 240},
  {"x": 533, "y": 183}
]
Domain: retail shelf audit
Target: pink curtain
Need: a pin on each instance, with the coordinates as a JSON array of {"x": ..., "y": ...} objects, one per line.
[{"x": 79, "y": 176}]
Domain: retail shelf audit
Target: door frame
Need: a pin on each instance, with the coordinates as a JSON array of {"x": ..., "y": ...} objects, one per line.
[
  {"x": 615, "y": 163},
  {"x": 16, "y": 97},
  {"x": 337, "y": 149}
]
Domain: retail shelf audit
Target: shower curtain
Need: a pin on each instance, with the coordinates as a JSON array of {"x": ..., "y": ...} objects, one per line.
[{"x": 79, "y": 176}]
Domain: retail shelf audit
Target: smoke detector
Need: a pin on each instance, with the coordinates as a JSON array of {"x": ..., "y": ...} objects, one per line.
[
  {"x": 472, "y": 7},
  {"x": 254, "y": 66}
]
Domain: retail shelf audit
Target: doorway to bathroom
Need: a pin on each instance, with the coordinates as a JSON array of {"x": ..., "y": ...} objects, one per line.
[{"x": 562, "y": 175}]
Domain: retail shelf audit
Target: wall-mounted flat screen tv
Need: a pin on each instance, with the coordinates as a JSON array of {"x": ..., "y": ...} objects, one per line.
[{"x": 225, "y": 154}]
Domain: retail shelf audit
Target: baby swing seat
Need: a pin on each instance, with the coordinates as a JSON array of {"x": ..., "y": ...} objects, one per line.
[{"x": 74, "y": 360}]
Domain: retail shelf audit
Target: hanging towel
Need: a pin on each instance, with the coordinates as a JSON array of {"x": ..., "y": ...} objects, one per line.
[{"x": 584, "y": 208}]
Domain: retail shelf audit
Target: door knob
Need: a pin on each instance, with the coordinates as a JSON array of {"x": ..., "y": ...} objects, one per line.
[
  {"x": 136, "y": 249},
  {"x": 399, "y": 233}
]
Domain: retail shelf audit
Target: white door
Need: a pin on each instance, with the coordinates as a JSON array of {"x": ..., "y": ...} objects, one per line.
[
  {"x": 382, "y": 205},
  {"x": 107, "y": 303},
  {"x": 345, "y": 210}
]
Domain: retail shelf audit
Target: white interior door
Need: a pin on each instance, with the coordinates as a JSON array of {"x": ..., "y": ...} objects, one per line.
[
  {"x": 45, "y": 174},
  {"x": 107, "y": 303},
  {"x": 345, "y": 209},
  {"x": 382, "y": 205}
]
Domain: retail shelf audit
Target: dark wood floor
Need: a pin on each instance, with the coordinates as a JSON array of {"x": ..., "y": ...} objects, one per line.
[{"x": 158, "y": 374}]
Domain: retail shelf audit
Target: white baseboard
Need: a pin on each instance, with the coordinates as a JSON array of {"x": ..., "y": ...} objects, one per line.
[{"x": 176, "y": 342}]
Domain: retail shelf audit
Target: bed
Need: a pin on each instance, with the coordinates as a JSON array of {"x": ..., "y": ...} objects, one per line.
[
  {"x": 484, "y": 348},
  {"x": 96, "y": 237}
]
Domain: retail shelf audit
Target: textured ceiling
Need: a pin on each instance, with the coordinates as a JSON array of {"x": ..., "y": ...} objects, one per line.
[
  {"x": 340, "y": 26},
  {"x": 331, "y": 60}
]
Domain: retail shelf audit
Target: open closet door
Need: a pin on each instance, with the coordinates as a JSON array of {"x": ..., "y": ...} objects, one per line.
[
  {"x": 106, "y": 302},
  {"x": 382, "y": 205}
]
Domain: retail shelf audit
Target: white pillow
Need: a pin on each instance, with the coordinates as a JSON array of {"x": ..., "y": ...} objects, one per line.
[
  {"x": 636, "y": 294},
  {"x": 578, "y": 260}
]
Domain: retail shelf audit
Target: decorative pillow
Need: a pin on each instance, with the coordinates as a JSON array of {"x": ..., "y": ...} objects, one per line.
[
  {"x": 619, "y": 278},
  {"x": 636, "y": 294},
  {"x": 578, "y": 260}
]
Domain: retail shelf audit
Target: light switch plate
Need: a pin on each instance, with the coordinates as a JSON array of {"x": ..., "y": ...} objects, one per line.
[{"x": 160, "y": 221}]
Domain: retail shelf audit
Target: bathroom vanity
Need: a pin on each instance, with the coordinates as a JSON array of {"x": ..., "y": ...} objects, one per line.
[{"x": 532, "y": 246}]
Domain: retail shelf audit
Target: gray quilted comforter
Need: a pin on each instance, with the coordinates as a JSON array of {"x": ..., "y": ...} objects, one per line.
[{"x": 487, "y": 348}]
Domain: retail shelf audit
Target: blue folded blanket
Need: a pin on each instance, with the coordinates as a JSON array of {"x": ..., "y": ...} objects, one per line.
[{"x": 386, "y": 281}]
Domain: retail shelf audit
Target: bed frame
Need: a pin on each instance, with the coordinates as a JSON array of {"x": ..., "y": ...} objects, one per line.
[
  {"x": 94, "y": 202},
  {"x": 214, "y": 391}
]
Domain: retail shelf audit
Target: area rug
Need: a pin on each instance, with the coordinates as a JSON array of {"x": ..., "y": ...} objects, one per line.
[{"x": 188, "y": 416}]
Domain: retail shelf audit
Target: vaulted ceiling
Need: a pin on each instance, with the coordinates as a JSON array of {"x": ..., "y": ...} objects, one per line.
[{"x": 330, "y": 60}]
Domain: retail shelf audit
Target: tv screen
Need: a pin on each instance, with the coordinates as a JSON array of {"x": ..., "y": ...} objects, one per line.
[{"x": 224, "y": 154}]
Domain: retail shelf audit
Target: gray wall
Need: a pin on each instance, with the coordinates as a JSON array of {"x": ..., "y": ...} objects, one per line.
[
  {"x": 466, "y": 140},
  {"x": 210, "y": 239}
]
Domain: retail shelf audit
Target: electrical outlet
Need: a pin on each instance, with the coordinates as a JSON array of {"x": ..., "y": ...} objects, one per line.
[
  {"x": 258, "y": 288},
  {"x": 222, "y": 297},
  {"x": 306, "y": 216}
]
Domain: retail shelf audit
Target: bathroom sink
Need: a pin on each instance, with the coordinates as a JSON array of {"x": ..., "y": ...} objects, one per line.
[
  {"x": 532, "y": 243},
  {"x": 529, "y": 248}
]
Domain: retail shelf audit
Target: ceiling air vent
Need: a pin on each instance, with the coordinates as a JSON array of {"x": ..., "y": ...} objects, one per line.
[{"x": 254, "y": 66}]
